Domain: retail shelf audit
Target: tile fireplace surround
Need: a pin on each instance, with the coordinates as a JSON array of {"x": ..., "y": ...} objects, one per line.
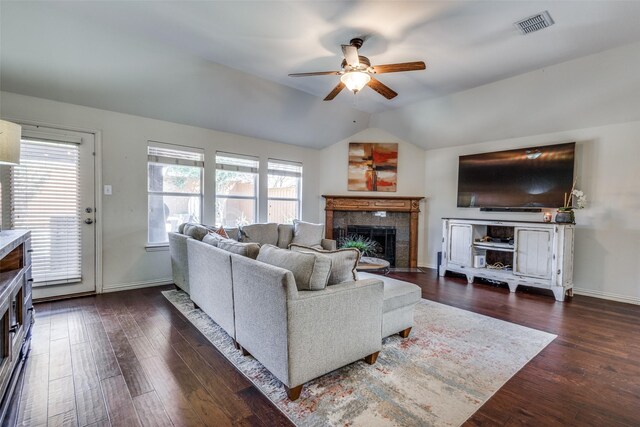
[{"x": 337, "y": 206}]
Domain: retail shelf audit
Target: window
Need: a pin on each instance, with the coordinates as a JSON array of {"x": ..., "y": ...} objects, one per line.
[
  {"x": 236, "y": 189},
  {"x": 285, "y": 191},
  {"x": 45, "y": 199},
  {"x": 174, "y": 188}
]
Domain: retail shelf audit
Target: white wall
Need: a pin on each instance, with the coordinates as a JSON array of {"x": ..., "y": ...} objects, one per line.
[
  {"x": 126, "y": 263},
  {"x": 113, "y": 68},
  {"x": 595, "y": 90},
  {"x": 607, "y": 246},
  {"x": 334, "y": 161}
]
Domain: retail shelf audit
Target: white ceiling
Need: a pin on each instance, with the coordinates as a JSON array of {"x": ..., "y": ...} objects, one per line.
[{"x": 111, "y": 54}]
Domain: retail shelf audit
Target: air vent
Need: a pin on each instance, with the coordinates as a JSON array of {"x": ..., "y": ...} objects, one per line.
[{"x": 534, "y": 23}]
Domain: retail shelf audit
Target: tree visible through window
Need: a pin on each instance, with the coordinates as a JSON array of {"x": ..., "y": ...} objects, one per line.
[
  {"x": 236, "y": 189},
  {"x": 285, "y": 191},
  {"x": 174, "y": 188}
]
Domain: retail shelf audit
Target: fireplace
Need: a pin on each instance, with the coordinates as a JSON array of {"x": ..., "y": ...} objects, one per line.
[
  {"x": 378, "y": 215},
  {"x": 384, "y": 236}
]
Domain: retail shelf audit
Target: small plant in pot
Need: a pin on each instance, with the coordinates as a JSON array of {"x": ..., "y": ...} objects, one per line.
[{"x": 365, "y": 245}]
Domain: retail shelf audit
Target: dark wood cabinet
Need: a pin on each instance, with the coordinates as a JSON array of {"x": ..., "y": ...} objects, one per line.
[{"x": 16, "y": 310}]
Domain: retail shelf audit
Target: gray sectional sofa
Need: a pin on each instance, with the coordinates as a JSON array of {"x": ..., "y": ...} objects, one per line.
[
  {"x": 279, "y": 308},
  {"x": 281, "y": 235}
]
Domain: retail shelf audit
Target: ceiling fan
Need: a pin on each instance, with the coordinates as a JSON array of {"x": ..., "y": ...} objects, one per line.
[{"x": 357, "y": 72}]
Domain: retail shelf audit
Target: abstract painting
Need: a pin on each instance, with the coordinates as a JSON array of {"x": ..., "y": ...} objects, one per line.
[{"x": 373, "y": 166}]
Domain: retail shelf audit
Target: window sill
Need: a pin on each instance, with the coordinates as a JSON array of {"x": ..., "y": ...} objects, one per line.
[{"x": 156, "y": 247}]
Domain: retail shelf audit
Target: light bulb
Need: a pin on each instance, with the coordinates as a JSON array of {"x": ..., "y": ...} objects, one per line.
[{"x": 355, "y": 80}]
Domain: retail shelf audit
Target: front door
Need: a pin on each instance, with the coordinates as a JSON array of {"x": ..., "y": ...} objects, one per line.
[{"x": 53, "y": 195}]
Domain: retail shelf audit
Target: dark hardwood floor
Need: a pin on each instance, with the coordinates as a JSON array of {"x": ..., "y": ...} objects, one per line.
[{"x": 130, "y": 358}]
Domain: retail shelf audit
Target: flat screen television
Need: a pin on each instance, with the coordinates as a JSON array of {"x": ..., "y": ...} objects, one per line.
[{"x": 534, "y": 177}]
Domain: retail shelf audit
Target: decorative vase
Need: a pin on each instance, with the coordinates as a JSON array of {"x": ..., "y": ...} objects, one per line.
[{"x": 565, "y": 216}]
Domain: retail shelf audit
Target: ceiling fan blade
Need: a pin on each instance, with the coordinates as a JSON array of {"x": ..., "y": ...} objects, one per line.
[
  {"x": 351, "y": 55},
  {"x": 396, "y": 68},
  {"x": 317, "y": 73},
  {"x": 382, "y": 89},
  {"x": 336, "y": 90}
]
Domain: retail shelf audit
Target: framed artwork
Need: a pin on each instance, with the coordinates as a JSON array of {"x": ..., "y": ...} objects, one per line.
[{"x": 373, "y": 166}]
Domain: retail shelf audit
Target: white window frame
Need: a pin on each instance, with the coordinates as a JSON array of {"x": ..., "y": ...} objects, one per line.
[
  {"x": 167, "y": 160},
  {"x": 277, "y": 172},
  {"x": 244, "y": 169}
]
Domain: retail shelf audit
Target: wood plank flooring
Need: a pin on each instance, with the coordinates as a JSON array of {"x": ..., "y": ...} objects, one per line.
[{"x": 131, "y": 359}]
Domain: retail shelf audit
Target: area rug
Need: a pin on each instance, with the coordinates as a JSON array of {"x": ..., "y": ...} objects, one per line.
[{"x": 453, "y": 361}]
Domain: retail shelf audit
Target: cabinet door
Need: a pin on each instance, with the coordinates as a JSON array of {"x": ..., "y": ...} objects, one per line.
[
  {"x": 460, "y": 244},
  {"x": 533, "y": 252}
]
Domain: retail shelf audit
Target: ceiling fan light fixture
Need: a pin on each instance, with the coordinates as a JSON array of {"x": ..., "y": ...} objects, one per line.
[{"x": 355, "y": 80}]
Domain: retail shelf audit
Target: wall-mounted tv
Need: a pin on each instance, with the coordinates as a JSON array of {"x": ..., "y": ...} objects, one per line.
[{"x": 533, "y": 177}]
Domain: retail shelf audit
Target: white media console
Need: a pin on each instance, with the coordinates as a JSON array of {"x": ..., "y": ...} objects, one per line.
[{"x": 535, "y": 254}]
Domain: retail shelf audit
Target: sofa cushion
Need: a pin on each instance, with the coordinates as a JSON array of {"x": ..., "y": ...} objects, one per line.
[
  {"x": 285, "y": 235},
  {"x": 307, "y": 234},
  {"x": 250, "y": 250},
  {"x": 311, "y": 270},
  {"x": 196, "y": 231},
  {"x": 343, "y": 262},
  {"x": 264, "y": 234},
  {"x": 397, "y": 293}
]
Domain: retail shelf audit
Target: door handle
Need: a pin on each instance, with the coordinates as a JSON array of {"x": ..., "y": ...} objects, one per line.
[{"x": 88, "y": 221}]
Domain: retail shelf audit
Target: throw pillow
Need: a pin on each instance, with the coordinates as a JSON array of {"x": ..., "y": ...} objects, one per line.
[
  {"x": 196, "y": 231},
  {"x": 250, "y": 250},
  {"x": 310, "y": 270},
  {"x": 221, "y": 232},
  {"x": 181, "y": 227},
  {"x": 307, "y": 234},
  {"x": 213, "y": 239},
  {"x": 232, "y": 233},
  {"x": 264, "y": 234},
  {"x": 343, "y": 262},
  {"x": 285, "y": 234}
]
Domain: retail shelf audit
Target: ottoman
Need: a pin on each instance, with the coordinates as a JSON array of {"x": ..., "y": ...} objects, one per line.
[{"x": 400, "y": 298}]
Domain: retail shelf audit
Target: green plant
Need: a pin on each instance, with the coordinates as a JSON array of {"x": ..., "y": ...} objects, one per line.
[{"x": 365, "y": 245}]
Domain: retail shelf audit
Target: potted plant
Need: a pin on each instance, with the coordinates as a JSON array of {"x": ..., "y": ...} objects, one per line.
[
  {"x": 575, "y": 200},
  {"x": 365, "y": 245}
]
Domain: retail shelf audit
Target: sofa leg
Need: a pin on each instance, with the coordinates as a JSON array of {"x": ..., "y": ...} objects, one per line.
[
  {"x": 294, "y": 393},
  {"x": 244, "y": 351},
  {"x": 371, "y": 359},
  {"x": 177, "y": 287},
  {"x": 405, "y": 333},
  {"x": 196, "y": 306},
  {"x": 236, "y": 345}
]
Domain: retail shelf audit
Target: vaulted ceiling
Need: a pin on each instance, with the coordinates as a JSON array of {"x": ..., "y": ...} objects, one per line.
[{"x": 224, "y": 64}]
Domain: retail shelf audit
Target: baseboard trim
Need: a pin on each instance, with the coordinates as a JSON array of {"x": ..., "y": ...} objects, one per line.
[
  {"x": 607, "y": 296},
  {"x": 136, "y": 285}
]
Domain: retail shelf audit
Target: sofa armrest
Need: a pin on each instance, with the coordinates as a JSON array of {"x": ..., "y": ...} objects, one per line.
[
  {"x": 179, "y": 260},
  {"x": 331, "y": 328},
  {"x": 328, "y": 244},
  {"x": 261, "y": 293}
]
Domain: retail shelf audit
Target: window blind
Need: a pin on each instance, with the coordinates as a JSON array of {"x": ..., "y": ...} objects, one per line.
[
  {"x": 175, "y": 156},
  {"x": 45, "y": 199},
  {"x": 284, "y": 168},
  {"x": 236, "y": 163}
]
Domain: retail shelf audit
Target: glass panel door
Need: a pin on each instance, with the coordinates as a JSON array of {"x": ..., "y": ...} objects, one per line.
[{"x": 52, "y": 194}]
